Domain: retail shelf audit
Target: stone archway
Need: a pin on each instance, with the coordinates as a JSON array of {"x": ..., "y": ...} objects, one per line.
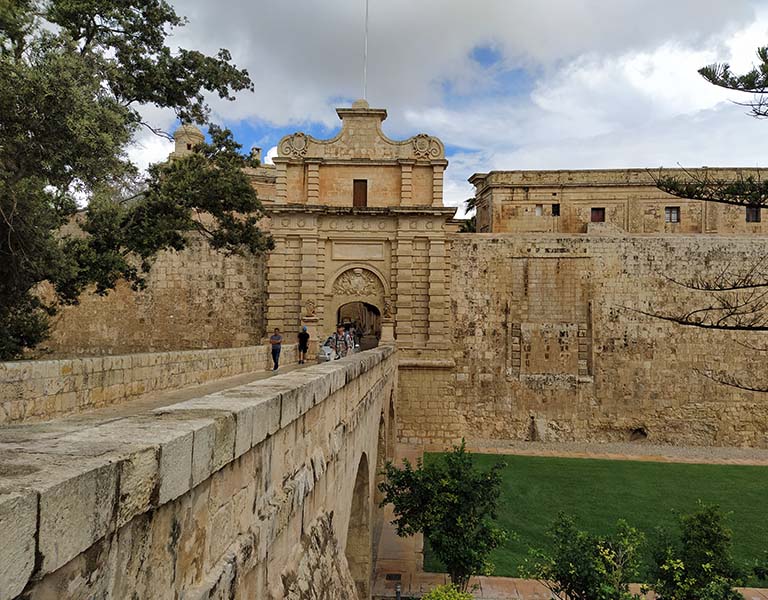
[
  {"x": 358, "y": 550},
  {"x": 353, "y": 285},
  {"x": 366, "y": 319}
]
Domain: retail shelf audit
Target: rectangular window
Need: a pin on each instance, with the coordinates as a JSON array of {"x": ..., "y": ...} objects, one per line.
[
  {"x": 597, "y": 215},
  {"x": 555, "y": 210},
  {"x": 360, "y": 192},
  {"x": 672, "y": 214},
  {"x": 539, "y": 210},
  {"x": 753, "y": 214}
]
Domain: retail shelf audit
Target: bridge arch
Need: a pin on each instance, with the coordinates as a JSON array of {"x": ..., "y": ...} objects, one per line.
[{"x": 359, "y": 542}]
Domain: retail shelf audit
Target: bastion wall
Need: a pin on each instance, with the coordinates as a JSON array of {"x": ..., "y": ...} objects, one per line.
[
  {"x": 195, "y": 299},
  {"x": 548, "y": 343}
]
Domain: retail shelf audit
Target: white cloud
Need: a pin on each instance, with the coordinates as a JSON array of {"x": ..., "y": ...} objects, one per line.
[
  {"x": 606, "y": 83},
  {"x": 271, "y": 153}
]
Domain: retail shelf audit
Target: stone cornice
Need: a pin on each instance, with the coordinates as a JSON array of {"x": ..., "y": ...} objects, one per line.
[{"x": 394, "y": 211}]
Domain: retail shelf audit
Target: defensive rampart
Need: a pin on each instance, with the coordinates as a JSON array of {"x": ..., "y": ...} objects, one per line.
[
  {"x": 260, "y": 491},
  {"x": 549, "y": 341}
]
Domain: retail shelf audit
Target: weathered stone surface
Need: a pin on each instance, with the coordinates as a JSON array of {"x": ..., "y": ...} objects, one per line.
[
  {"x": 169, "y": 511},
  {"x": 175, "y": 467},
  {"x": 18, "y": 526},
  {"x": 75, "y": 513}
]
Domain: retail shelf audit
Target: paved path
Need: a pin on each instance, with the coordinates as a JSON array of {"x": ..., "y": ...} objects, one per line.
[{"x": 400, "y": 560}]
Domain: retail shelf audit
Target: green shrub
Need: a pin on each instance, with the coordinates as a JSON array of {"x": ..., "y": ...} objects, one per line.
[{"x": 447, "y": 592}]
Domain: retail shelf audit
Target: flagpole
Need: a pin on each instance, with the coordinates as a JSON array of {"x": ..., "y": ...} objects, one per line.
[{"x": 365, "y": 56}]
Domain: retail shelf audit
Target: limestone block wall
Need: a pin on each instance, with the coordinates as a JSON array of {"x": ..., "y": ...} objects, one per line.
[
  {"x": 195, "y": 299},
  {"x": 46, "y": 389},
  {"x": 261, "y": 491},
  {"x": 548, "y": 344}
]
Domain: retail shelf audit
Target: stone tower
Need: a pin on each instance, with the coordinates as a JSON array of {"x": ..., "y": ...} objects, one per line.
[{"x": 186, "y": 138}]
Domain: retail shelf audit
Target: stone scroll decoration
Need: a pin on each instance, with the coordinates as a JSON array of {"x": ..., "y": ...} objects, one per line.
[
  {"x": 426, "y": 146},
  {"x": 358, "y": 282},
  {"x": 295, "y": 145}
]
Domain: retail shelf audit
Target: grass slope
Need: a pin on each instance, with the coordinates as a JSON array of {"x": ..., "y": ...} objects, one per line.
[{"x": 598, "y": 492}]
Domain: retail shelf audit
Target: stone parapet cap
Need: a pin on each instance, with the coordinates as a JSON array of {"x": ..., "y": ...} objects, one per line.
[
  {"x": 597, "y": 177},
  {"x": 426, "y": 363},
  {"x": 550, "y": 237}
]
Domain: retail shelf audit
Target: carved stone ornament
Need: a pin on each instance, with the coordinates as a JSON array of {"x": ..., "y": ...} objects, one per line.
[
  {"x": 309, "y": 308},
  {"x": 358, "y": 282},
  {"x": 425, "y": 146},
  {"x": 387, "y": 312},
  {"x": 295, "y": 145}
]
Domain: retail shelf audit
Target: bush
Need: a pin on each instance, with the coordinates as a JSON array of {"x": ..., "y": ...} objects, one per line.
[
  {"x": 698, "y": 564},
  {"x": 453, "y": 505},
  {"x": 447, "y": 592},
  {"x": 582, "y": 566}
]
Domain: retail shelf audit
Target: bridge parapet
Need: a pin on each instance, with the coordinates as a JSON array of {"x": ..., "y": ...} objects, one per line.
[{"x": 259, "y": 491}]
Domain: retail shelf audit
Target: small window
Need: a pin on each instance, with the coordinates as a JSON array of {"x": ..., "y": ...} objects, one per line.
[
  {"x": 555, "y": 210},
  {"x": 597, "y": 215},
  {"x": 189, "y": 146},
  {"x": 539, "y": 210},
  {"x": 672, "y": 214},
  {"x": 360, "y": 192},
  {"x": 753, "y": 214}
]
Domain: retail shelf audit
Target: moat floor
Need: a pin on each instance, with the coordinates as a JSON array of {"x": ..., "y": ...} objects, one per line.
[{"x": 404, "y": 558}]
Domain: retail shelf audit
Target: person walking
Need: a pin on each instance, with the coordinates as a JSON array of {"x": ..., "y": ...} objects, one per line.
[
  {"x": 276, "y": 342},
  {"x": 303, "y": 345},
  {"x": 340, "y": 342}
]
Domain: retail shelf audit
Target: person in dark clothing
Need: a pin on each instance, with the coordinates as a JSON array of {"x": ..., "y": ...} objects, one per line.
[
  {"x": 276, "y": 341},
  {"x": 303, "y": 345}
]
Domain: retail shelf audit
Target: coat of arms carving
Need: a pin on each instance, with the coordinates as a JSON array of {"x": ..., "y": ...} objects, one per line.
[{"x": 358, "y": 282}]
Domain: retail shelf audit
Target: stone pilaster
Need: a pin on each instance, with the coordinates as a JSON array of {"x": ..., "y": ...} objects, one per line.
[
  {"x": 313, "y": 181},
  {"x": 281, "y": 182},
  {"x": 438, "y": 169},
  {"x": 406, "y": 182},
  {"x": 404, "y": 282}
]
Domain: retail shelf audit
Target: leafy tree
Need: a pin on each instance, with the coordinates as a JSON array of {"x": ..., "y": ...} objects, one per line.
[
  {"x": 469, "y": 225},
  {"x": 582, "y": 566},
  {"x": 447, "y": 592},
  {"x": 453, "y": 505},
  {"x": 736, "y": 297},
  {"x": 74, "y": 75},
  {"x": 698, "y": 564}
]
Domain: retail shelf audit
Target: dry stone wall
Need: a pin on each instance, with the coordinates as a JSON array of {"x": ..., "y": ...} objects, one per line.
[
  {"x": 246, "y": 493},
  {"x": 548, "y": 343},
  {"x": 53, "y": 388}
]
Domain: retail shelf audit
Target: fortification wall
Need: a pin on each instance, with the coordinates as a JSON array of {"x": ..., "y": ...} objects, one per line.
[
  {"x": 547, "y": 344},
  {"x": 52, "y": 388},
  {"x": 260, "y": 491},
  {"x": 197, "y": 298}
]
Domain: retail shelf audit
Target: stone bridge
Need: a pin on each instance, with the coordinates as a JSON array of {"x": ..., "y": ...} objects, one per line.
[{"x": 260, "y": 491}]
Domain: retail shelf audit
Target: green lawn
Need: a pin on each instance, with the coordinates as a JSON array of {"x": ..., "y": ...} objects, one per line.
[{"x": 598, "y": 492}]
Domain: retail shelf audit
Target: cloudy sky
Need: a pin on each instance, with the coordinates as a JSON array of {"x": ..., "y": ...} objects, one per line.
[{"x": 506, "y": 84}]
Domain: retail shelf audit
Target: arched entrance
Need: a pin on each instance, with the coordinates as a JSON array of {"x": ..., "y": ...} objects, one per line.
[
  {"x": 365, "y": 318},
  {"x": 358, "y": 294},
  {"x": 358, "y": 550}
]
